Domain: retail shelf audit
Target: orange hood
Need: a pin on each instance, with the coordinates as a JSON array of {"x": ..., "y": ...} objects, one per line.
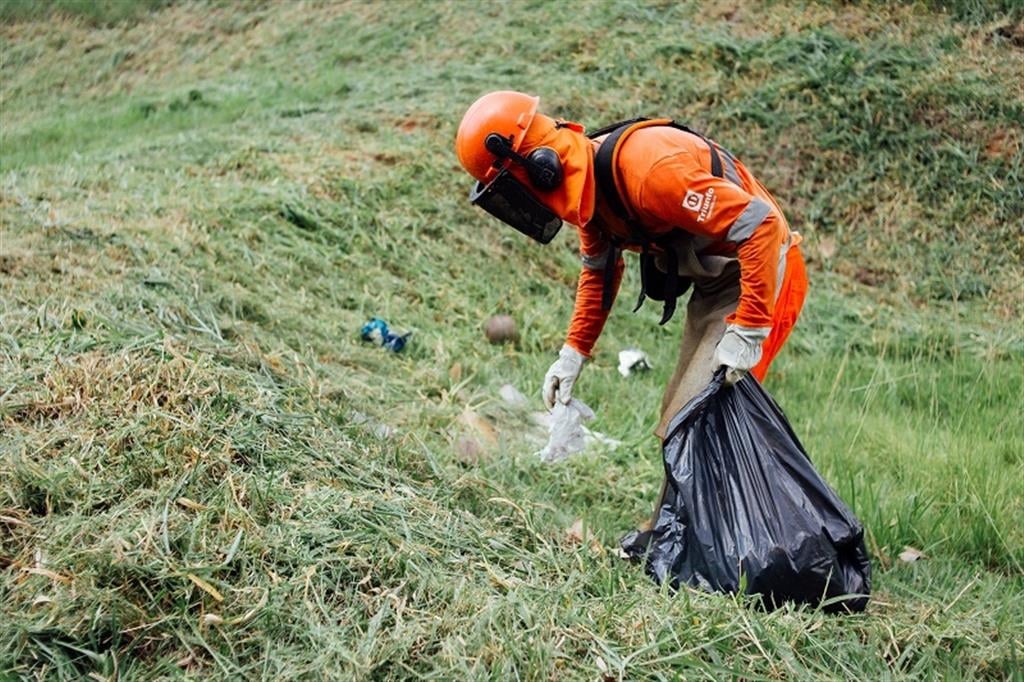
[{"x": 573, "y": 200}]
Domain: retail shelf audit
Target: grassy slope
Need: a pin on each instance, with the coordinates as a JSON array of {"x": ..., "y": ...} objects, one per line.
[{"x": 201, "y": 209}]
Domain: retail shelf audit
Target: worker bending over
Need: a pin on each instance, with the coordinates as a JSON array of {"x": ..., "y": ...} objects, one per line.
[{"x": 692, "y": 210}]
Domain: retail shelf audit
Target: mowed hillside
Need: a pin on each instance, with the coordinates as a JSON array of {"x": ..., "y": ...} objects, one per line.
[{"x": 204, "y": 472}]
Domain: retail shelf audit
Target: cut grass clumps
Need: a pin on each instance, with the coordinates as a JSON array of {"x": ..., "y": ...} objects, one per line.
[
  {"x": 205, "y": 472},
  {"x": 98, "y": 13}
]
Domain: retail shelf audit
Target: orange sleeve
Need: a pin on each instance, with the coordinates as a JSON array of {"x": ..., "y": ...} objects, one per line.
[
  {"x": 679, "y": 191},
  {"x": 588, "y": 316}
]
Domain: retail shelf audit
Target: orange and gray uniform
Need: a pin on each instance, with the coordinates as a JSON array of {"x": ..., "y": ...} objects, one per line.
[{"x": 665, "y": 178}]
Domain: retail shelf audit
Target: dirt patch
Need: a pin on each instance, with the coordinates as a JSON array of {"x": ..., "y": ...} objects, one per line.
[
  {"x": 10, "y": 265},
  {"x": 1004, "y": 144},
  {"x": 1013, "y": 33}
]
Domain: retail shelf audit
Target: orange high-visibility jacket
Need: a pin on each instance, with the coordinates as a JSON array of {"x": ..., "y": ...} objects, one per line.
[{"x": 665, "y": 178}]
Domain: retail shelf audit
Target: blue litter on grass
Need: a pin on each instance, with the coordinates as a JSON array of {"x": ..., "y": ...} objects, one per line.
[{"x": 376, "y": 331}]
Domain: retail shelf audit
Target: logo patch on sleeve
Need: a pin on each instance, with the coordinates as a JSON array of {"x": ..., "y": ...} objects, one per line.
[
  {"x": 693, "y": 200},
  {"x": 701, "y": 204}
]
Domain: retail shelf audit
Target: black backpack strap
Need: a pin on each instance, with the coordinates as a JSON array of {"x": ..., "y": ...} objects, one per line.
[
  {"x": 604, "y": 166},
  {"x": 716, "y": 160},
  {"x": 615, "y": 126},
  {"x": 604, "y": 173},
  {"x": 672, "y": 263},
  {"x": 609, "y": 276}
]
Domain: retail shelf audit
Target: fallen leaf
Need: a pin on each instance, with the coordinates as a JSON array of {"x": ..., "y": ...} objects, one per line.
[
  {"x": 574, "y": 534},
  {"x": 479, "y": 424},
  {"x": 468, "y": 450},
  {"x": 910, "y": 554}
]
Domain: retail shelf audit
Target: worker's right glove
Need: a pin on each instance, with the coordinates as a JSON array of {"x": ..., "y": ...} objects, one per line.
[
  {"x": 559, "y": 380},
  {"x": 739, "y": 350}
]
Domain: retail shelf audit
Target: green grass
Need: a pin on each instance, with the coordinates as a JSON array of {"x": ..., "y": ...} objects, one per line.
[
  {"x": 201, "y": 207},
  {"x": 96, "y": 13}
]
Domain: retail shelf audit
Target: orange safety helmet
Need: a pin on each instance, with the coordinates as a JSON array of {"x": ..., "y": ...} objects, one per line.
[
  {"x": 506, "y": 113},
  {"x": 532, "y": 171}
]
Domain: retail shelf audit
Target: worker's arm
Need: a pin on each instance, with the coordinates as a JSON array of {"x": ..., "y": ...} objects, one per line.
[{"x": 589, "y": 316}]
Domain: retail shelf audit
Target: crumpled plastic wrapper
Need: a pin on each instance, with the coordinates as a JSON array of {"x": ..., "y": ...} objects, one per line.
[
  {"x": 633, "y": 360},
  {"x": 567, "y": 433}
]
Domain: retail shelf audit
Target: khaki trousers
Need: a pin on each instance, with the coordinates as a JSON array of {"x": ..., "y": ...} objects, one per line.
[{"x": 716, "y": 293}]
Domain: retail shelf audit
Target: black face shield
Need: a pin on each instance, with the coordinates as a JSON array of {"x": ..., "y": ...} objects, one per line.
[{"x": 509, "y": 201}]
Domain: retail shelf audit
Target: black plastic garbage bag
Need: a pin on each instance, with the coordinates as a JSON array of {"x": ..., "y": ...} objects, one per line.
[{"x": 743, "y": 499}]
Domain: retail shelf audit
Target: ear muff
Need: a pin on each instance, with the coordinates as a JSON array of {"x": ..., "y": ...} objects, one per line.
[
  {"x": 542, "y": 165},
  {"x": 544, "y": 168}
]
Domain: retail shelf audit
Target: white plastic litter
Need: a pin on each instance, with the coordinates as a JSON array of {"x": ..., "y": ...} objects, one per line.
[
  {"x": 633, "y": 360},
  {"x": 568, "y": 435},
  {"x": 512, "y": 396}
]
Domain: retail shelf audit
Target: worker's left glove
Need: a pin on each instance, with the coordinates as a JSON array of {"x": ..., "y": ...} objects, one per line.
[
  {"x": 559, "y": 380},
  {"x": 739, "y": 350}
]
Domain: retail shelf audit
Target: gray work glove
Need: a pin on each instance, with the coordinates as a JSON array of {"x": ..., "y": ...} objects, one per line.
[
  {"x": 562, "y": 375},
  {"x": 739, "y": 351}
]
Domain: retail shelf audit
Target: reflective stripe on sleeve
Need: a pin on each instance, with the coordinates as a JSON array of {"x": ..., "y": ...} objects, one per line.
[
  {"x": 752, "y": 216},
  {"x": 730, "y": 168},
  {"x": 595, "y": 262}
]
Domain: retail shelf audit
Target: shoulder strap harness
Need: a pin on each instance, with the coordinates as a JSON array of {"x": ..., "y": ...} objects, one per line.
[{"x": 654, "y": 283}]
